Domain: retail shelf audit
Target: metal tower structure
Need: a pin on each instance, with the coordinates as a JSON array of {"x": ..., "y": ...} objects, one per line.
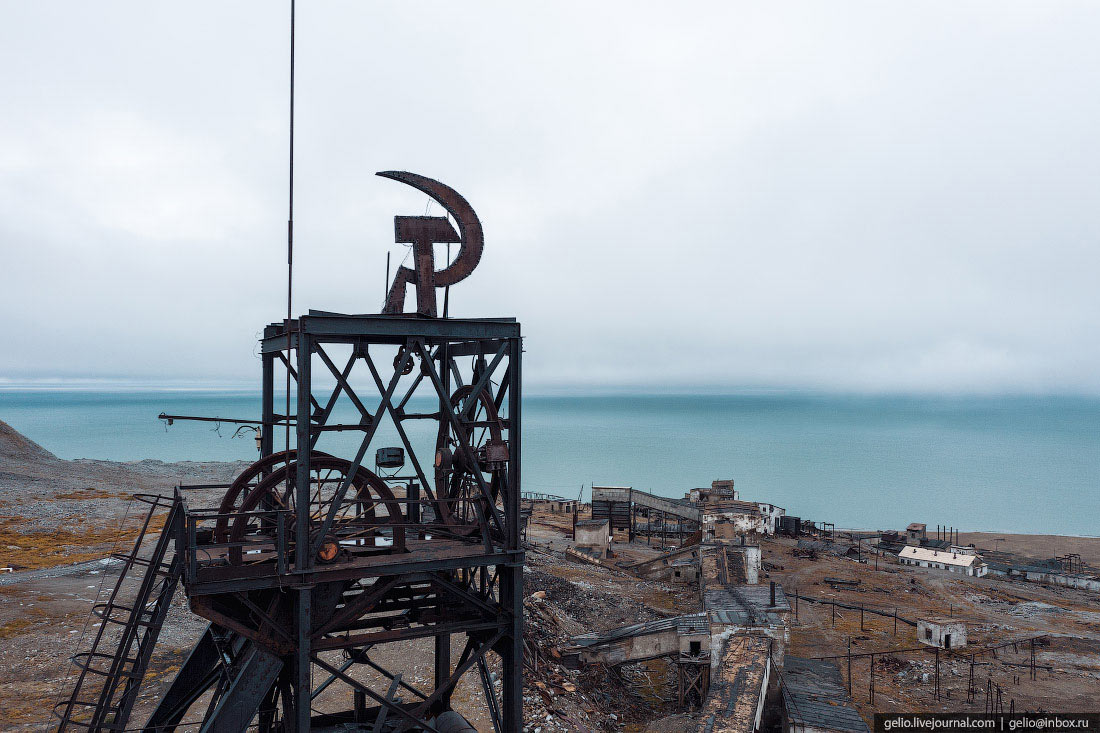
[{"x": 313, "y": 566}]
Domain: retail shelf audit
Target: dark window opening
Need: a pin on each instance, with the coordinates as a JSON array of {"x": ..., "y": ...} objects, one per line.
[{"x": 696, "y": 648}]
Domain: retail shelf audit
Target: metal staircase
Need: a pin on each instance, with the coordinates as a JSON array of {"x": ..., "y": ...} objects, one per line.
[{"x": 130, "y": 622}]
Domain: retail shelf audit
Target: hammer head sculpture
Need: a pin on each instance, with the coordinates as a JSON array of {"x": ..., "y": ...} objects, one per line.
[{"x": 424, "y": 231}]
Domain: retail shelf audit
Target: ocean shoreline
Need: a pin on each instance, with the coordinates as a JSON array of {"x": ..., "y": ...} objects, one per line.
[{"x": 993, "y": 465}]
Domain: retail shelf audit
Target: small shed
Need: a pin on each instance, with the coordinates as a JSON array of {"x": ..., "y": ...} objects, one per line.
[
  {"x": 916, "y": 533},
  {"x": 593, "y": 537},
  {"x": 945, "y": 633},
  {"x": 693, "y": 631}
]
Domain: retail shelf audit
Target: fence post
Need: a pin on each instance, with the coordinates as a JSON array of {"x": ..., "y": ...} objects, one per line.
[
  {"x": 871, "y": 700},
  {"x": 849, "y": 665},
  {"x": 937, "y": 673}
]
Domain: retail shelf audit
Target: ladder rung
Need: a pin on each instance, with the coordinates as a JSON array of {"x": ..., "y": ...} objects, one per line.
[
  {"x": 143, "y": 617},
  {"x": 85, "y": 661},
  {"x": 163, "y": 568},
  {"x": 107, "y": 673},
  {"x": 155, "y": 501},
  {"x": 141, "y": 623}
]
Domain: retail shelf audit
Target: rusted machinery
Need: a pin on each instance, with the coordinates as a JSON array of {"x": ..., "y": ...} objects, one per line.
[{"x": 312, "y": 563}]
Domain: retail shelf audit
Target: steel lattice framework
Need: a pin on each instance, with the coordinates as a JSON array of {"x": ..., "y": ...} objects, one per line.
[
  {"x": 375, "y": 560},
  {"x": 312, "y": 562}
]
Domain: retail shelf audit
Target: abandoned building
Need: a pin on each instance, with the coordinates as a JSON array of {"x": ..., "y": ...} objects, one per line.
[
  {"x": 741, "y": 630},
  {"x": 916, "y": 533},
  {"x": 681, "y": 565},
  {"x": 726, "y": 563},
  {"x": 772, "y": 516},
  {"x": 718, "y": 491},
  {"x": 945, "y": 633},
  {"x": 1065, "y": 570},
  {"x": 730, "y": 518},
  {"x": 643, "y": 513},
  {"x": 551, "y": 503},
  {"x": 760, "y": 610},
  {"x": 952, "y": 561},
  {"x": 593, "y": 537}
]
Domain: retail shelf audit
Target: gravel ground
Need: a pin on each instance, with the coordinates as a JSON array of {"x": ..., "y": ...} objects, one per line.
[{"x": 62, "y": 518}]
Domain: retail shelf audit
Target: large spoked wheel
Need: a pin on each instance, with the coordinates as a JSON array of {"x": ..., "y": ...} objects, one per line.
[
  {"x": 456, "y": 474},
  {"x": 368, "y": 518},
  {"x": 244, "y": 483}
]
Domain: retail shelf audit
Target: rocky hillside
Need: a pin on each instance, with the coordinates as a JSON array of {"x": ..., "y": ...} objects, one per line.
[
  {"x": 15, "y": 446},
  {"x": 39, "y": 491}
]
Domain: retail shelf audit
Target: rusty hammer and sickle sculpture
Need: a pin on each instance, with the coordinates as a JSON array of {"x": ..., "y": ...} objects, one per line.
[{"x": 424, "y": 231}]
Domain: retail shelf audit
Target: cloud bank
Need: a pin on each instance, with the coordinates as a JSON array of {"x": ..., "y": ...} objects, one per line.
[{"x": 865, "y": 196}]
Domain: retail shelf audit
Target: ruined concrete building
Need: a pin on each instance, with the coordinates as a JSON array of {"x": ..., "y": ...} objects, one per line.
[{"x": 945, "y": 633}]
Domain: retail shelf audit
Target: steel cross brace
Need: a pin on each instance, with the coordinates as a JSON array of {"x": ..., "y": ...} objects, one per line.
[
  {"x": 481, "y": 383},
  {"x": 338, "y": 499},
  {"x": 464, "y": 663},
  {"x": 366, "y": 415},
  {"x": 394, "y": 707},
  {"x": 294, "y": 374},
  {"x": 464, "y": 594},
  {"x": 490, "y": 695},
  {"x": 341, "y": 379},
  {"x": 356, "y": 608},
  {"x": 360, "y": 657},
  {"x": 264, "y": 616},
  {"x": 463, "y": 438},
  {"x": 441, "y": 510}
]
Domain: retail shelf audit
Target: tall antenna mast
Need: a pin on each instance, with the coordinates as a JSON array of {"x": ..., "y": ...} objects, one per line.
[{"x": 290, "y": 241}]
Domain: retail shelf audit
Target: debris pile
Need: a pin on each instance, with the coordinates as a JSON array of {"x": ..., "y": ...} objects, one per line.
[{"x": 557, "y": 695}]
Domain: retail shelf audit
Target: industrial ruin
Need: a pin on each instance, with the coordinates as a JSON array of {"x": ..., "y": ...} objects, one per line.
[
  {"x": 378, "y": 564},
  {"x": 772, "y": 622},
  {"x": 428, "y": 592},
  {"x": 409, "y": 583},
  {"x": 313, "y": 562}
]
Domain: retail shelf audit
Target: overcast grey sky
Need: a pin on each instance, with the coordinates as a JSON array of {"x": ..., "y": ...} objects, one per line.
[{"x": 854, "y": 196}]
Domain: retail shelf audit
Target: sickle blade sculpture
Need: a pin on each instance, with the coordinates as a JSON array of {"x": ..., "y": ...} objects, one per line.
[{"x": 422, "y": 232}]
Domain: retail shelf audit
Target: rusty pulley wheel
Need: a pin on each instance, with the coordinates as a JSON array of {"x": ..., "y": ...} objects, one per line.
[
  {"x": 455, "y": 471},
  {"x": 367, "y": 516},
  {"x": 235, "y": 494},
  {"x": 329, "y": 550},
  {"x": 409, "y": 365}
]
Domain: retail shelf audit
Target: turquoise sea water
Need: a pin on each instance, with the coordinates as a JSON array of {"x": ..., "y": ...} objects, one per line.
[{"x": 1018, "y": 464}]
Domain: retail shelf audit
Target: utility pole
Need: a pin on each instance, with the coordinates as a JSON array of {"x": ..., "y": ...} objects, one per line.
[
  {"x": 871, "y": 697},
  {"x": 849, "y": 665},
  {"x": 937, "y": 673}
]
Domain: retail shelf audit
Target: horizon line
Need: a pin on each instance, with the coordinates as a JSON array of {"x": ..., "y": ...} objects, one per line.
[{"x": 131, "y": 384}]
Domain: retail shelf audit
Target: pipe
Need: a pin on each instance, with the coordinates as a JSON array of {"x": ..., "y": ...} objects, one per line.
[{"x": 451, "y": 722}]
